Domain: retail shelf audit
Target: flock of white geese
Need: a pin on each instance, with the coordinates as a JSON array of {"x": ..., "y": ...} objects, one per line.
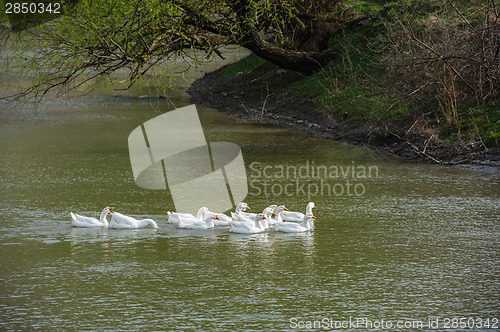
[{"x": 240, "y": 221}]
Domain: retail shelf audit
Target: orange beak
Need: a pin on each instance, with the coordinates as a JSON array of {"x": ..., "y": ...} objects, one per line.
[
  {"x": 217, "y": 217},
  {"x": 314, "y": 217},
  {"x": 248, "y": 208},
  {"x": 285, "y": 209},
  {"x": 274, "y": 213},
  {"x": 110, "y": 208},
  {"x": 264, "y": 217}
]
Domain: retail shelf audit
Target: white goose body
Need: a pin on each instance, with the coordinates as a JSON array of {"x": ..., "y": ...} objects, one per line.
[
  {"x": 238, "y": 220},
  {"x": 297, "y": 216},
  {"x": 293, "y": 227},
  {"x": 267, "y": 213},
  {"x": 119, "y": 220},
  {"x": 173, "y": 217},
  {"x": 248, "y": 227},
  {"x": 238, "y": 217},
  {"x": 82, "y": 221},
  {"x": 198, "y": 224}
]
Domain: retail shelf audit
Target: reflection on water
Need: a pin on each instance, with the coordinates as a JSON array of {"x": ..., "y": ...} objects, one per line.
[{"x": 420, "y": 242}]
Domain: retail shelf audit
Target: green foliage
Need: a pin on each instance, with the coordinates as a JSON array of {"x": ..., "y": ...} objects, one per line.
[
  {"x": 96, "y": 39},
  {"x": 350, "y": 86},
  {"x": 386, "y": 74},
  {"x": 3, "y": 15},
  {"x": 477, "y": 123},
  {"x": 362, "y": 8}
]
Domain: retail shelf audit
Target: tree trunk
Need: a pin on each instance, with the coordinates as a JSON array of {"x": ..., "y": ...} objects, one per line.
[{"x": 300, "y": 61}]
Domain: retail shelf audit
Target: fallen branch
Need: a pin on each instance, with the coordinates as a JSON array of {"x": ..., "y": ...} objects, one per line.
[{"x": 416, "y": 149}]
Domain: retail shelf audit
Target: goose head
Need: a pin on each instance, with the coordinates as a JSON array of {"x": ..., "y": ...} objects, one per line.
[
  {"x": 280, "y": 209},
  {"x": 210, "y": 215},
  {"x": 242, "y": 206},
  {"x": 108, "y": 209},
  {"x": 268, "y": 212},
  {"x": 309, "y": 207}
]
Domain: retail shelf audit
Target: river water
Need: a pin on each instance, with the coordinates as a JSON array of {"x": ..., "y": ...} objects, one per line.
[{"x": 394, "y": 241}]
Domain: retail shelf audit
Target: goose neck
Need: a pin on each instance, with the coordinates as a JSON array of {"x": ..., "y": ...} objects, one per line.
[
  {"x": 200, "y": 214},
  {"x": 103, "y": 218},
  {"x": 259, "y": 224},
  {"x": 278, "y": 216}
]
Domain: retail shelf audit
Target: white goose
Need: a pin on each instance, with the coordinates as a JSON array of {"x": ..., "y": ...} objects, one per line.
[
  {"x": 251, "y": 227},
  {"x": 274, "y": 207},
  {"x": 272, "y": 215},
  {"x": 240, "y": 215},
  {"x": 293, "y": 227},
  {"x": 278, "y": 213},
  {"x": 82, "y": 221},
  {"x": 173, "y": 217},
  {"x": 236, "y": 218},
  {"x": 241, "y": 208},
  {"x": 268, "y": 212},
  {"x": 119, "y": 220},
  {"x": 297, "y": 216},
  {"x": 188, "y": 223}
]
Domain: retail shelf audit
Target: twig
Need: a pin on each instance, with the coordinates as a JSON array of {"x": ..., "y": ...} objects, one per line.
[
  {"x": 427, "y": 143},
  {"x": 406, "y": 96},
  {"x": 423, "y": 153},
  {"x": 265, "y": 101},
  {"x": 460, "y": 14},
  {"x": 440, "y": 57}
]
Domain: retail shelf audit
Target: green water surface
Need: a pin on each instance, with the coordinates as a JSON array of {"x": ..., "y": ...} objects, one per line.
[{"x": 415, "y": 242}]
